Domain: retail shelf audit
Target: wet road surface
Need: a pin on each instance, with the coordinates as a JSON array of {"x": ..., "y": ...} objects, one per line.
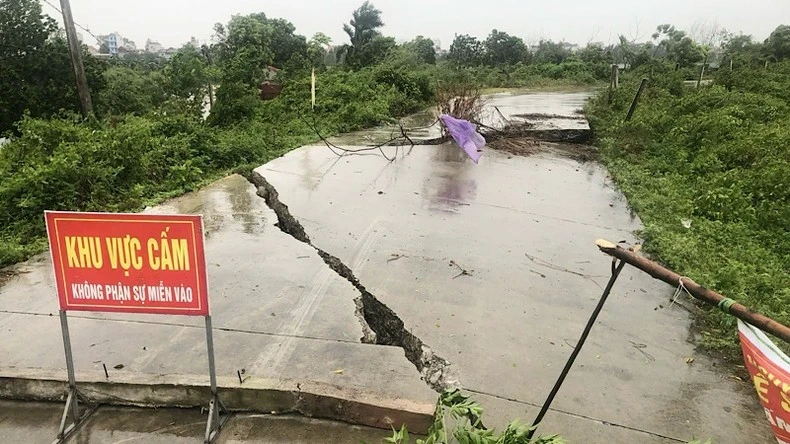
[{"x": 492, "y": 267}]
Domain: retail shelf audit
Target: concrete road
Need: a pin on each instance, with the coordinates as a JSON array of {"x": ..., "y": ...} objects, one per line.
[
  {"x": 37, "y": 423},
  {"x": 494, "y": 267},
  {"x": 479, "y": 276}
]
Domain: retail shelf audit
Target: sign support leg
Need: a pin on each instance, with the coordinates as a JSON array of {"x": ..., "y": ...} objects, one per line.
[
  {"x": 218, "y": 415},
  {"x": 74, "y": 397}
]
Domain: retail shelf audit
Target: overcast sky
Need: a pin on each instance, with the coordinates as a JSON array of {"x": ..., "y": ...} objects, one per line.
[{"x": 173, "y": 22}]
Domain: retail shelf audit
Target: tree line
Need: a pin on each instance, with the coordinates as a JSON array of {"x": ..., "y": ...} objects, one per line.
[
  {"x": 153, "y": 137},
  {"x": 668, "y": 43},
  {"x": 37, "y": 78}
]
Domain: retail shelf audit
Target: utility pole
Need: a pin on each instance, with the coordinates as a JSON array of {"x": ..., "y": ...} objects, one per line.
[{"x": 76, "y": 60}]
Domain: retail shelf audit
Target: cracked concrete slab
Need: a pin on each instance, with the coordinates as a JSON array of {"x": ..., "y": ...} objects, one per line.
[
  {"x": 279, "y": 312},
  {"x": 380, "y": 325},
  {"x": 523, "y": 229}
]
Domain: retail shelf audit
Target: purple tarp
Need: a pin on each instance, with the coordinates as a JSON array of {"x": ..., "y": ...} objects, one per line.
[{"x": 466, "y": 135}]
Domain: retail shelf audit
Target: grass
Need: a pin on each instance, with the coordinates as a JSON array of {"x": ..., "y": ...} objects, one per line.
[{"x": 708, "y": 172}]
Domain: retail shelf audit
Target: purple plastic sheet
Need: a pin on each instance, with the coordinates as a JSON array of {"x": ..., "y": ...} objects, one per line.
[{"x": 465, "y": 134}]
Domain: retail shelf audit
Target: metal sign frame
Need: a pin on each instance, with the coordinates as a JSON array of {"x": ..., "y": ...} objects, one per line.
[
  {"x": 74, "y": 397},
  {"x": 218, "y": 414}
]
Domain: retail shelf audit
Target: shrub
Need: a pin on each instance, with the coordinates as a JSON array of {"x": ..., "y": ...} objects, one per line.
[{"x": 717, "y": 156}]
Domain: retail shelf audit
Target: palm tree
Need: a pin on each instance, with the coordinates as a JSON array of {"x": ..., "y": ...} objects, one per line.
[{"x": 364, "y": 25}]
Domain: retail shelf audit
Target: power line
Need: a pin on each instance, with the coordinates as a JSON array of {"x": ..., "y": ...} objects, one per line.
[{"x": 98, "y": 40}]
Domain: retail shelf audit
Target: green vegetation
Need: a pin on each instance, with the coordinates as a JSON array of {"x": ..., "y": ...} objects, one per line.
[
  {"x": 503, "y": 61},
  {"x": 150, "y": 139},
  {"x": 708, "y": 171},
  {"x": 715, "y": 157},
  {"x": 453, "y": 406},
  {"x": 35, "y": 69}
]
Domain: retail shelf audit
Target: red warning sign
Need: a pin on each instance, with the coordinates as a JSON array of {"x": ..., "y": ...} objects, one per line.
[{"x": 136, "y": 263}]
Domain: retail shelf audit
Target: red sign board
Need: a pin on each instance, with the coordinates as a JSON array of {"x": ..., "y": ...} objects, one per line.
[
  {"x": 131, "y": 263},
  {"x": 769, "y": 368}
]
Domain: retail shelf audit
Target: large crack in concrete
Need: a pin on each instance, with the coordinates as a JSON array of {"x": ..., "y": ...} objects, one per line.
[{"x": 380, "y": 325}]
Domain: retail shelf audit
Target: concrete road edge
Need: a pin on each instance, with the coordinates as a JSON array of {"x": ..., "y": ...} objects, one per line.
[{"x": 311, "y": 399}]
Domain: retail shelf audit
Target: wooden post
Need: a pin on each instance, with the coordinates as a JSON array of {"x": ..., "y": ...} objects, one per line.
[
  {"x": 612, "y": 83},
  {"x": 706, "y": 295},
  {"x": 636, "y": 99},
  {"x": 702, "y": 71},
  {"x": 86, "y": 104},
  {"x": 615, "y": 76},
  {"x": 730, "y": 63}
]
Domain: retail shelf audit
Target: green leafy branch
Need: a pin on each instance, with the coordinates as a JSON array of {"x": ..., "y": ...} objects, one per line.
[{"x": 467, "y": 415}]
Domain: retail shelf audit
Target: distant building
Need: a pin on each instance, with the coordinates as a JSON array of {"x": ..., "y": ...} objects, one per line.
[
  {"x": 115, "y": 42},
  {"x": 112, "y": 41},
  {"x": 270, "y": 73},
  {"x": 154, "y": 47}
]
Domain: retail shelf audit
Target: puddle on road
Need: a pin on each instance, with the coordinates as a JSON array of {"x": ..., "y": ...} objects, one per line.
[
  {"x": 451, "y": 183},
  {"x": 228, "y": 205}
]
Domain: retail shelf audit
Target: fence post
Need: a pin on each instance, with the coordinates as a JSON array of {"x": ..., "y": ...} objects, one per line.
[
  {"x": 636, "y": 99},
  {"x": 614, "y": 82}
]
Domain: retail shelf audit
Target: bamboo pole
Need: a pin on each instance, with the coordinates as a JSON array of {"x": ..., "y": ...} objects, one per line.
[{"x": 709, "y": 296}]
